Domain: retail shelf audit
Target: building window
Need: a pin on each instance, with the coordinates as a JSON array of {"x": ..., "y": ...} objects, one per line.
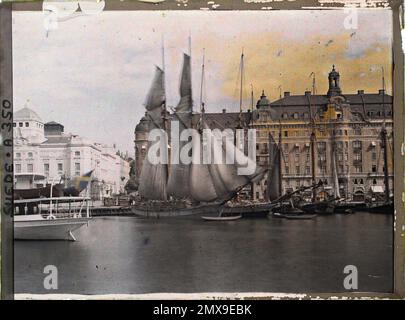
[
  {"x": 374, "y": 156},
  {"x": 374, "y": 168},
  {"x": 18, "y": 168},
  {"x": 307, "y": 170},
  {"x": 357, "y": 144},
  {"x": 374, "y": 181},
  {"x": 60, "y": 167},
  {"x": 77, "y": 169},
  {"x": 357, "y": 132},
  {"x": 46, "y": 168},
  {"x": 306, "y": 115},
  {"x": 18, "y": 155},
  {"x": 358, "y": 169},
  {"x": 287, "y": 170},
  {"x": 27, "y": 124},
  {"x": 20, "y": 124},
  {"x": 30, "y": 155},
  {"x": 285, "y": 133},
  {"x": 30, "y": 167},
  {"x": 357, "y": 156},
  {"x": 297, "y": 169},
  {"x": 285, "y": 115},
  {"x": 321, "y": 146},
  {"x": 295, "y": 115},
  {"x": 14, "y": 124},
  {"x": 77, "y": 153}
]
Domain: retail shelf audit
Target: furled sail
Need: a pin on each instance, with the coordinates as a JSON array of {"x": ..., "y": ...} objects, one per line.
[
  {"x": 178, "y": 183},
  {"x": 153, "y": 179},
  {"x": 273, "y": 178}
]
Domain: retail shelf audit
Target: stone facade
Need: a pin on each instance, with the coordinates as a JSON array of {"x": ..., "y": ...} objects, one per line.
[
  {"x": 347, "y": 128},
  {"x": 44, "y": 153}
]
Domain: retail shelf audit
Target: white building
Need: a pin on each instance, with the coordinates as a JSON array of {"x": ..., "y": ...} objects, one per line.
[{"x": 43, "y": 154}]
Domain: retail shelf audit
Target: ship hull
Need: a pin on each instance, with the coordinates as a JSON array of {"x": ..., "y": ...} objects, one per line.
[
  {"x": 57, "y": 229},
  {"x": 165, "y": 211}
]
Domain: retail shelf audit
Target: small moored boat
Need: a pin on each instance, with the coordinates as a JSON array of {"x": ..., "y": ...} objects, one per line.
[{"x": 222, "y": 218}]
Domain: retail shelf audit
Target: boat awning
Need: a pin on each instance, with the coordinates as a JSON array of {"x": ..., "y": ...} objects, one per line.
[
  {"x": 53, "y": 199},
  {"x": 377, "y": 189},
  {"x": 30, "y": 175}
]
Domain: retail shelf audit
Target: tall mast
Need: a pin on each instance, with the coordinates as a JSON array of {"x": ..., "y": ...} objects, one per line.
[
  {"x": 164, "y": 84},
  {"x": 251, "y": 98},
  {"x": 313, "y": 83},
  {"x": 202, "y": 82},
  {"x": 165, "y": 118},
  {"x": 241, "y": 82},
  {"x": 280, "y": 171},
  {"x": 384, "y": 143},
  {"x": 189, "y": 53},
  {"x": 312, "y": 140}
]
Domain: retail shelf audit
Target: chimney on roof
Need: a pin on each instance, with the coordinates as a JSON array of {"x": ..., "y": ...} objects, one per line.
[
  {"x": 223, "y": 110},
  {"x": 360, "y": 91},
  {"x": 286, "y": 93},
  {"x": 381, "y": 91},
  {"x": 307, "y": 93}
]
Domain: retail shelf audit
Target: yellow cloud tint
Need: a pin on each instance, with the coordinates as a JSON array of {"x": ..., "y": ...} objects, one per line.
[{"x": 271, "y": 61}]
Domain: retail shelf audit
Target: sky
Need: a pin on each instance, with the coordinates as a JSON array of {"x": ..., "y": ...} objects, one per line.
[{"x": 93, "y": 72}]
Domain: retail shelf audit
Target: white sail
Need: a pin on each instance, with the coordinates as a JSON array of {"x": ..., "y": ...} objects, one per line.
[
  {"x": 178, "y": 182},
  {"x": 202, "y": 186},
  {"x": 220, "y": 181},
  {"x": 153, "y": 178}
]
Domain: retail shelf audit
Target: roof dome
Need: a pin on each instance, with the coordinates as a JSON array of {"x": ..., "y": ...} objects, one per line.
[
  {"x": 27, "y": 114},
  {"x": 143, "y": 125},
  {"x": 263, "y": 101}
]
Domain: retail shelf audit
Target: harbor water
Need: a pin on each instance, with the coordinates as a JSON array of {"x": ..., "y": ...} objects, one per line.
[{"x": 187, "y": 254}]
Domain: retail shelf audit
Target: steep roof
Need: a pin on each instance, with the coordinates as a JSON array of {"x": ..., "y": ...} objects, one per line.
[{"x": 302, "y": 100}]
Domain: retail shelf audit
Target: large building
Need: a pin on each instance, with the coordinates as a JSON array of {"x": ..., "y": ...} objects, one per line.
[
  {"x": 347, "y": 129},
  {"x": 44, "y": 153}
]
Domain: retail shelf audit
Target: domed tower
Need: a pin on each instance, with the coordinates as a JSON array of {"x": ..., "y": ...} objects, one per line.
[
  {"x": 334, "y": 86},
  {"x": 29, "y": 125},
  {"x": 263, "y": 102},
  {"x": 141, "y": 143}
]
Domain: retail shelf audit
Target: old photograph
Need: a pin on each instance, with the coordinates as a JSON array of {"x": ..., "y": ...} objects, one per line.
[{"x": 203, "y": 151}]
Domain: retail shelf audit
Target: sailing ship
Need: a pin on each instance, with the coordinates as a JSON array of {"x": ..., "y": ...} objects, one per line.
[{"x": 177, "y": 188}]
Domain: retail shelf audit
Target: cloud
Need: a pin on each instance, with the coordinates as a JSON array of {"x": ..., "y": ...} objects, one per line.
[{"x": 92, "y": 73}]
